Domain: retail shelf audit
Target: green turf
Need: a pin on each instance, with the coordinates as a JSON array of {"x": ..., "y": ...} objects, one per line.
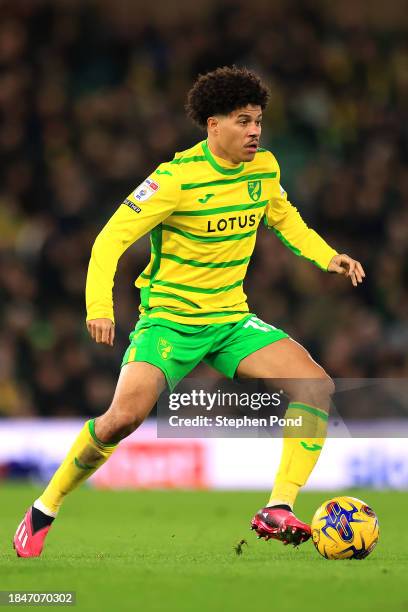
[{"x": 173, "y": 551}]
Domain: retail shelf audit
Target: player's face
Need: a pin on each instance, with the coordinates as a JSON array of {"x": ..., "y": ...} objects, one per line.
[{"x": 237, "y": 134}]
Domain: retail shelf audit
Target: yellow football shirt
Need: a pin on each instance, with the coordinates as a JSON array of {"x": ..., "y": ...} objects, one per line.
[{"x": 203, "y": 214}]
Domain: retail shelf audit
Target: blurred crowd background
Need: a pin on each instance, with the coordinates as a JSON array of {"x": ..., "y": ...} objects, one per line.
[{"x": 92, "y": 98}]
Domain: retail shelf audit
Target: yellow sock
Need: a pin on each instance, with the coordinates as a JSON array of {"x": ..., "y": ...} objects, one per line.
[
  {"x": 86, "y": 455},
  {"x": 302, "y": 445}
]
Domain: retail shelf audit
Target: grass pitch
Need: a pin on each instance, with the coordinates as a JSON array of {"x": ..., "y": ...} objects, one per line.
[{"x": 173, "y": 551}]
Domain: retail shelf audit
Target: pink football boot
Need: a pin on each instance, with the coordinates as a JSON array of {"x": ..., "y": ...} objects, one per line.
[
  {"x": 280, "y": 524},
  {"x": 27, "y": 542}
]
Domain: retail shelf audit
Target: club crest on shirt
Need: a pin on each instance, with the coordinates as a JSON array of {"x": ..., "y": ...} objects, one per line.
[
  {"x": 145, "y": 190},
  {"x": 254, "y": 190}
]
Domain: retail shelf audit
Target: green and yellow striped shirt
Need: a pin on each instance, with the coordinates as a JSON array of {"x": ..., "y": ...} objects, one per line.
[{"x": 203, "y": 215}]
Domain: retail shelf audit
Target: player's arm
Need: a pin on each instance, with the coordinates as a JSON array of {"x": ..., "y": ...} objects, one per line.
[
  {"x": 149, "y": 204},
  {"x": 284, "y": 219}
]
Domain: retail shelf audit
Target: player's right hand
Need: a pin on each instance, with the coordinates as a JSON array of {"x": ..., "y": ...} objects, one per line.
[{"x": 101, "y": 330}]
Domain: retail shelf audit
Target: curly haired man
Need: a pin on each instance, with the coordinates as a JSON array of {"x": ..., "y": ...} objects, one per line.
[{"x": 202, "y": 210}]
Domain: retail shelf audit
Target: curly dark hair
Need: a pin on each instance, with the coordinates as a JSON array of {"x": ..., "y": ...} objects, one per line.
[{"x": 222, "y": 91}]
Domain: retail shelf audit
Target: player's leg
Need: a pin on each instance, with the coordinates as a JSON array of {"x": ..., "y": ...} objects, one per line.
[
  {"x": 255, "y": 349},
  {"x": 137, "y": 391},
  {"x": 138, "y": 388},
  {"x": 309, "y": 389},
  {"x": 156, "y": 355}
]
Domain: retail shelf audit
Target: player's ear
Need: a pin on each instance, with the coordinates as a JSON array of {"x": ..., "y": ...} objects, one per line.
[{"x": 213, "y": 125}]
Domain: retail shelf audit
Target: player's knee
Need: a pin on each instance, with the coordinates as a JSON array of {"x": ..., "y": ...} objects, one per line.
[
  {"x": 315, "y": 390},
  {"x": 126, "y": 413}
]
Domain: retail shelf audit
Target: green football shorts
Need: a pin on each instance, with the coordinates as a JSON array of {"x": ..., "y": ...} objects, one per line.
[{"x": 177, "y": 348}]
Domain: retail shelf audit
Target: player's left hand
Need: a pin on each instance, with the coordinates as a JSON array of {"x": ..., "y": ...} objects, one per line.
[{"x": 343, "y": 264}]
